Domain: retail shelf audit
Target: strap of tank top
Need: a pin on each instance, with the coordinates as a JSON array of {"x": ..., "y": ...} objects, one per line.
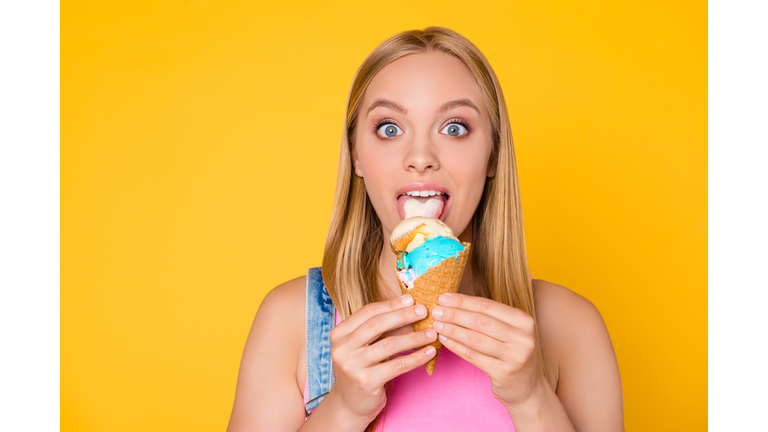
[{"x": 320, "y": 316}]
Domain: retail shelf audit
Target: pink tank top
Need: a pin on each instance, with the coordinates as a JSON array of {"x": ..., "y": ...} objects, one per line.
[{"x": 456, "y": 397}]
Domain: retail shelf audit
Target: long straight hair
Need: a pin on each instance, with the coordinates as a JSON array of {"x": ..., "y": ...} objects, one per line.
[{"x": 355, "y": 238}]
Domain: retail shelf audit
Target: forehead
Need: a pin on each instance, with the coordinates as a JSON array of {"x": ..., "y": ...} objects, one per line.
[{"x": 424, "y": 81}]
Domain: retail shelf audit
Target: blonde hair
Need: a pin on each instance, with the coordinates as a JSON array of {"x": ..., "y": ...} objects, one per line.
[{"x": 355, "y": 239}]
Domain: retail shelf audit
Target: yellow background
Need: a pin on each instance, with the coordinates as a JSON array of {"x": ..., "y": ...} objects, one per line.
[{"x": 200, "y": 143}]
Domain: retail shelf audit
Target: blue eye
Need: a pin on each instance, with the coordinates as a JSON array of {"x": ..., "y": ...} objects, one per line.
[
  {"x": 389, "y": 130},
  {"x": 454, "y": 129}
]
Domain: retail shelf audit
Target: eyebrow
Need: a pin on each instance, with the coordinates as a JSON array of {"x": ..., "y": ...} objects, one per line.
[
  {"x": 386, "y": 104},
  {"x": 443, "y": 108},
  {"x": 455, "y": 104}
]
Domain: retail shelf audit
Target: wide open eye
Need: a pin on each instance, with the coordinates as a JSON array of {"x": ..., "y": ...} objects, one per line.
[
  {"x": 389, "y": 130},
  {"x": 454, "y": 129}
]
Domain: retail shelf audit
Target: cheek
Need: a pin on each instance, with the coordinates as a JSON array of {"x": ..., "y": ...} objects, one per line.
[
  {"x": 379, "y": 167},
  {"x": 468, "y": 169},
  {"x": 468, "y": 165},
  {"x": 376, "y": 161}
]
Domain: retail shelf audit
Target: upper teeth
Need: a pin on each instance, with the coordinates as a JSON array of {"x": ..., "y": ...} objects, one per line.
[{"x": 423, "y": 193}]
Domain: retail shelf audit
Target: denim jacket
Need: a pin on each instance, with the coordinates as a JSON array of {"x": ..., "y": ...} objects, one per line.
[{"x": 320, "y": 314}]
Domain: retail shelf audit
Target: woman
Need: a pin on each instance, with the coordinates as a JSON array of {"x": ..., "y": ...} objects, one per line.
[{"x": 426, "y": 112}]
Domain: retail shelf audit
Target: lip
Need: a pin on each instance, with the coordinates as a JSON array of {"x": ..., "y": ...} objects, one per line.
[{"x": 419, "y": 186}]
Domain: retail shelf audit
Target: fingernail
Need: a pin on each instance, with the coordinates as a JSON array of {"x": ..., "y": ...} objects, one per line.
[
  {"x": 437, "y": 325},
  {"x": 431, "y": 334},
  {"x": 437, "y": 313},
  {"x": 444, "y": 299},
  {"x": 442, "y": 338},
  {"x": 407, "y": 299},
  {"x": 421, "y": 310},
  {"x": 430, "y": 351}
]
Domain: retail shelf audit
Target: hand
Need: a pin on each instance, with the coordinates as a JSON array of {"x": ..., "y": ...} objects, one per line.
[
  {"x": 361, "y": 346},
  {"x": 497, "y": 338}
]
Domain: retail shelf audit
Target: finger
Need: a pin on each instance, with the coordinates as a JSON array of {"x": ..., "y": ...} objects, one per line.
[
  {"x": 471, "y": 339},
  {"x": 483, "y": 362},
  {"x": 500, "y": 311},
  {"x": 406, "y": 329},
  {"x": 354, "y": 321},
  {"x": 379, "y": 324},
  {"x": 392, "y": 345},
  {"x": 397, "y": 366},
  {"x": 477, "y": 321}
]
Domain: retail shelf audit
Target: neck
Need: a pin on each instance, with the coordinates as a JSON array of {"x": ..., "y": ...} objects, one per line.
[{"x": 387, "y": 274}]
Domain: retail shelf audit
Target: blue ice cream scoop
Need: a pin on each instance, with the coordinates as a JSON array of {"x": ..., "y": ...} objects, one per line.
[{"x": 429, "y": 254}]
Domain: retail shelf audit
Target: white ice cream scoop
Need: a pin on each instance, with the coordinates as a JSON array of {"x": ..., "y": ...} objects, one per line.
[{"x": 432, "y": 228}]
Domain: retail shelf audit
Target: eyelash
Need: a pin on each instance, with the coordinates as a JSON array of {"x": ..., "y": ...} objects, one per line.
[
  {"x": 461, "y": 122},
  {"x": 382, "y": 122}
]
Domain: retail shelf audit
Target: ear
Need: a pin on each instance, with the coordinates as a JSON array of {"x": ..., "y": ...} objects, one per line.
[
  {"x": 492, "y": 163},
  {"x": 356, "y": 163}
]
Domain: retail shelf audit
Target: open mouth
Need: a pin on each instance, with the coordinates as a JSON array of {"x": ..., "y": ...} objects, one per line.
[{"x": 425, "y": 203}]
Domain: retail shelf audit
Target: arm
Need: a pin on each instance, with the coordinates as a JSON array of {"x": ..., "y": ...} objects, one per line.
[
  {"x": 499, "y": 340},
  {"x": 267, "y": 396},
  {"x": 576, "y": 338}
]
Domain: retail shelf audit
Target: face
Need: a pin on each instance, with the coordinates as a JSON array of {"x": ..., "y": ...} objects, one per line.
[{"x": 423, "y": 130}]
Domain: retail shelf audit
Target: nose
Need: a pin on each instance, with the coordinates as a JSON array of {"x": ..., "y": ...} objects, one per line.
[{"x": 421, "y": 155}]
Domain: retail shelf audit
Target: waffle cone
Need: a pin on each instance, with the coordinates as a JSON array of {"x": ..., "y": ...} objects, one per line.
[{"x": 440, "y": 279}]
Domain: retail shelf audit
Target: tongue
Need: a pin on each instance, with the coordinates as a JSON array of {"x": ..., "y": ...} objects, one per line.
[{"x": 420, "y": 206}]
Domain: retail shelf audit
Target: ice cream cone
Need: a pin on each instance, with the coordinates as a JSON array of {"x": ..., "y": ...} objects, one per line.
[{"x": 442, "y": 278}]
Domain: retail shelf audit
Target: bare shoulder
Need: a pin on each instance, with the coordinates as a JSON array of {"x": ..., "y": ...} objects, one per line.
[
  {"x": 579, "y": 357},
  {"x": 558, "y": 309},
  {"x": 285, "y": 302},
  {"x": 281, "y": 315},
  {"x": 267, "y": 395},
  {"x": 566, "y": 320}
]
